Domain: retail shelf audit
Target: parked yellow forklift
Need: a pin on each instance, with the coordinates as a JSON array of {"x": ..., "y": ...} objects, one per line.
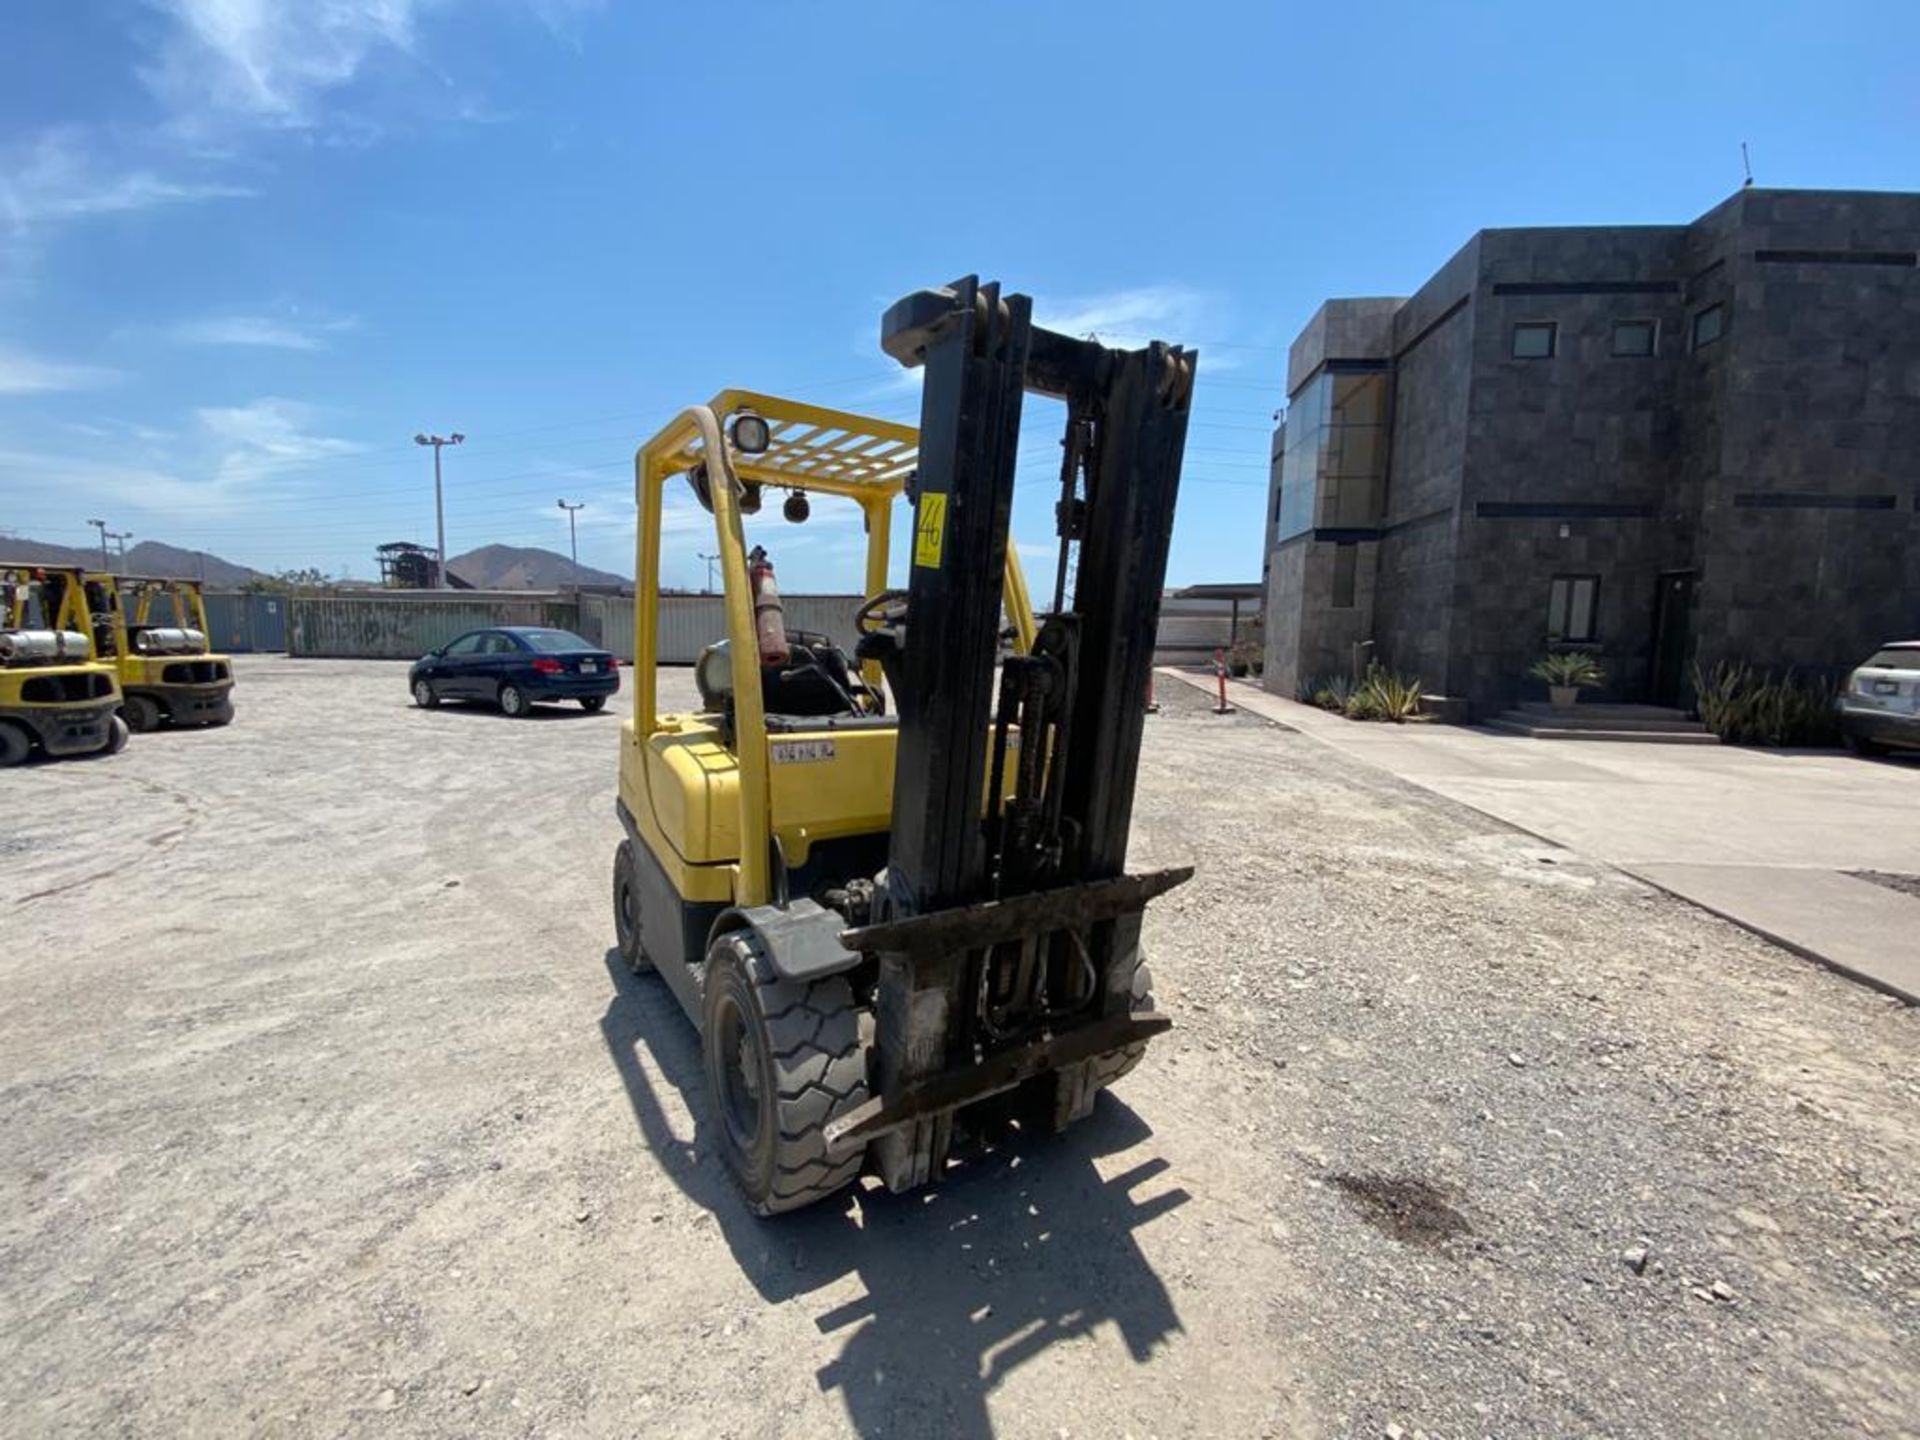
[
  {"x": 154, "y": 630},
  {"x": 56, "y": 697},
  {"x": 879, "y": 915}
]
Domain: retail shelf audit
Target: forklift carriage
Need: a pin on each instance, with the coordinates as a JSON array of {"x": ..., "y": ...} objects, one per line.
[{"x": 877, "y": 919}]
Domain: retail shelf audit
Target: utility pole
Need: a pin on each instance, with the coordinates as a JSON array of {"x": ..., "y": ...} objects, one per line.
[
  {"x": 573, "y": 537},
  {"x": 439, "y": 506},
  {"x": 709, "y": 559},
  {"x": 101, "y": 526}
]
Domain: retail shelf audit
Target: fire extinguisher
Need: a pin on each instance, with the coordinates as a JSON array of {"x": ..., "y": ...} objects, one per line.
[{"x": 769, "y": 618}]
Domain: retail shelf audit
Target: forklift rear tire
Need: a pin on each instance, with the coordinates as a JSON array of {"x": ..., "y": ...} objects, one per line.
[
  {"x": 117, "y": 733},
  {"x": 142, "y": 714},
  {"x": 14, "y": 744},
  {"x": 626, "y": 911},
  {"x": 783, "y": 1057}
]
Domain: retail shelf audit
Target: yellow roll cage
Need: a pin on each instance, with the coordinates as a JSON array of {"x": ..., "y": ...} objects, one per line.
[{"x": 811, "y": 449}]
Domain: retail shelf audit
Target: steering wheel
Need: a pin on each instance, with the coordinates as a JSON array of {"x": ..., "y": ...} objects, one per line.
[{"x": 885, "y": 611}]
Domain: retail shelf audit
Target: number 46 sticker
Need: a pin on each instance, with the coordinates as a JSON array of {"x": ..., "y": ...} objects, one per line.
[{"x": 930, "y": 530}]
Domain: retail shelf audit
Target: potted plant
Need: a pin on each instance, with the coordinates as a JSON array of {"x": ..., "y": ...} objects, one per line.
[{"x": 1566, "y": 672}]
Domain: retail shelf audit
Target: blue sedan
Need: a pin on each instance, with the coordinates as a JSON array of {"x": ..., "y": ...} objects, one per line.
[{"x": 515, "y": 667}]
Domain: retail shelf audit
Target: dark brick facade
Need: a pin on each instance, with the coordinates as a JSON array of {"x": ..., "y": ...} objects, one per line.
[{"x": 1750, "y": 497}]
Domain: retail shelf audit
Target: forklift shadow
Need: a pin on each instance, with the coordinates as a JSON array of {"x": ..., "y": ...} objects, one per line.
[{"x": 1022, "y": 1246}]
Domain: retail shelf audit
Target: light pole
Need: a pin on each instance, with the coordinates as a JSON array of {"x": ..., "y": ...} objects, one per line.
[
  {"x": 121, "y": 536},
  {"x": 439, "y": 506},
  {"x": 573, "y": 537},
  {"x": 101, "y": 526},
  {"x": 709, "y": 559}
]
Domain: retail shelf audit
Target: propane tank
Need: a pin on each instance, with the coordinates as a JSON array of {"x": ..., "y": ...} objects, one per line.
[
  {"x": 170, "y": 640},
  {"x": 769, "y": 618},
  {"x": 27, "y": 647}
]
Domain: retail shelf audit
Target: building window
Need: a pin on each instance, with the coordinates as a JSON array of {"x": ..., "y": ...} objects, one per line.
[
  {"x": 1635, "y": 337},
  {"x": 1346, "y": 556},
  {"x": 1572, "y": 606},
  {"x": 1533, "y": 340},
  {"x": 1709, "y": 325}
]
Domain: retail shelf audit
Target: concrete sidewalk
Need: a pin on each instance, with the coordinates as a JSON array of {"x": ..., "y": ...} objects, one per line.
[{"x": 1761, "y": 837}]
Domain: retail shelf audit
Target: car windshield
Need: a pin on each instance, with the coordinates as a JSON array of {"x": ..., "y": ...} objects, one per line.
[
  {"x": 1894, "y": 659},
  {"x": 555, "y": 642}
]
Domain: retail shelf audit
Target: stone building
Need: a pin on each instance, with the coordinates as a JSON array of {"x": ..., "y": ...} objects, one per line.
[{"x": 1665, "y": 444}]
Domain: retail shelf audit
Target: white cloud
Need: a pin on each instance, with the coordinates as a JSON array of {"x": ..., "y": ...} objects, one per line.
[
  {"x": 1156, "y": 312},
  {"x": 257, "y": 331},
  {"x": 261, "y": 441},
  {"x": 54, "y": 179},
  {"x": 23, "y": 374},
  {"x": 272, "y": 61}
]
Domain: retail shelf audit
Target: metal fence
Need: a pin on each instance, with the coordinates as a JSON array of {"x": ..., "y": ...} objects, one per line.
[
  {"x": 405, "y": 624},
  {"x": 240, "y": 621}
]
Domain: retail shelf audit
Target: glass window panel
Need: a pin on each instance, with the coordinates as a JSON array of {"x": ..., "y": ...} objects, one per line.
[
  {"x": 1634, "y": 337},
  {"x": 1533, "y": 340},
  {"x": 1709, "y": 325},
  {"x": 1580, "y": 616},
  {"x": 1557, "y": 610}
]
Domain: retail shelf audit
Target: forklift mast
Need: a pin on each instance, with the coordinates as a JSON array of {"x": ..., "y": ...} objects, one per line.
[{"x": 1007, "y": 946}]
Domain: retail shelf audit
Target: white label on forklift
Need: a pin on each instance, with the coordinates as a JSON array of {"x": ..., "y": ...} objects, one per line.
[{"x": 801, "y": 752}]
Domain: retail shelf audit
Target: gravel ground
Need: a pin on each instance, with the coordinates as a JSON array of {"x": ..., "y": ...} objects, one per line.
[{"x": 326, "y": 1113}]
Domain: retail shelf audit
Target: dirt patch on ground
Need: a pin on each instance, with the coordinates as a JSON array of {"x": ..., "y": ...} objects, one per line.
[{"x": 1416, "y": 1211}]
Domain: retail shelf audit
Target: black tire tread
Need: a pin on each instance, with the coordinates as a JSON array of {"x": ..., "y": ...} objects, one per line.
[
  {"x": 820, "y": 1072},
  {"x": 629, "y": 945}
]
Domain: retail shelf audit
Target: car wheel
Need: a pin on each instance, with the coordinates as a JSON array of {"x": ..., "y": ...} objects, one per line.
[
  {"x": 424, "y": 694},
  {"x": 1861, "y": 745},
  {"x": 626, "y": 910},
  {"x": 14, "y": 745},
  {"x": 514, "y": 702},
  {"x": 141, "y": 712},
  {"x": 593, "y": 704}
]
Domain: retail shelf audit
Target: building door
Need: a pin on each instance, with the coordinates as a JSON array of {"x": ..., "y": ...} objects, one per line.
[{"x": 1672, "y": 637}]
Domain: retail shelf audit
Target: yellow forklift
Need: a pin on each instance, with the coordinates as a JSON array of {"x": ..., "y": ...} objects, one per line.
[
  {"x": 56, "y": 697},
  {"x": 154, "y": 629},
  {"x": 891, "y": 884}
]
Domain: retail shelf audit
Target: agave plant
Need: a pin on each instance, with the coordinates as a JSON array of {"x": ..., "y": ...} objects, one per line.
[
  {"x": 1569, "y": 669},
  {"x": 1384, "y": 695},
  {"x": 1744, "y": 706}
]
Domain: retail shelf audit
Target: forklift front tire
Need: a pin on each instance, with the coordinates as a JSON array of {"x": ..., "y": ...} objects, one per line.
[
  {"x": 14, "y": 744},
  {"x": 626, "y": 910},
  {"x": 783, "y": 1057},
  {"x": 141, "y": 712}
]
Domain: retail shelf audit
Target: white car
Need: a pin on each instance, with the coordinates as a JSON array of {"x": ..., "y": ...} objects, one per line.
[{"x": 1880, "y": 706}]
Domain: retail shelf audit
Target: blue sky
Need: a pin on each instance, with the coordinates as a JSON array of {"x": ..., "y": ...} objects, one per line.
[{"x": 249, "y": 247}]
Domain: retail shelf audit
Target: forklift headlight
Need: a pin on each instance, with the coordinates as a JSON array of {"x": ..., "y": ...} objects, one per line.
[
  {"x": 750, "y": 433},
  {"x": 797, "y": 508}
]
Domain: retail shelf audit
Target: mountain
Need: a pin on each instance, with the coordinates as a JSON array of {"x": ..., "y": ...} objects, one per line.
[
  {"x": 523, "y": 567},
  {"x": 149, "y": 557}
]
